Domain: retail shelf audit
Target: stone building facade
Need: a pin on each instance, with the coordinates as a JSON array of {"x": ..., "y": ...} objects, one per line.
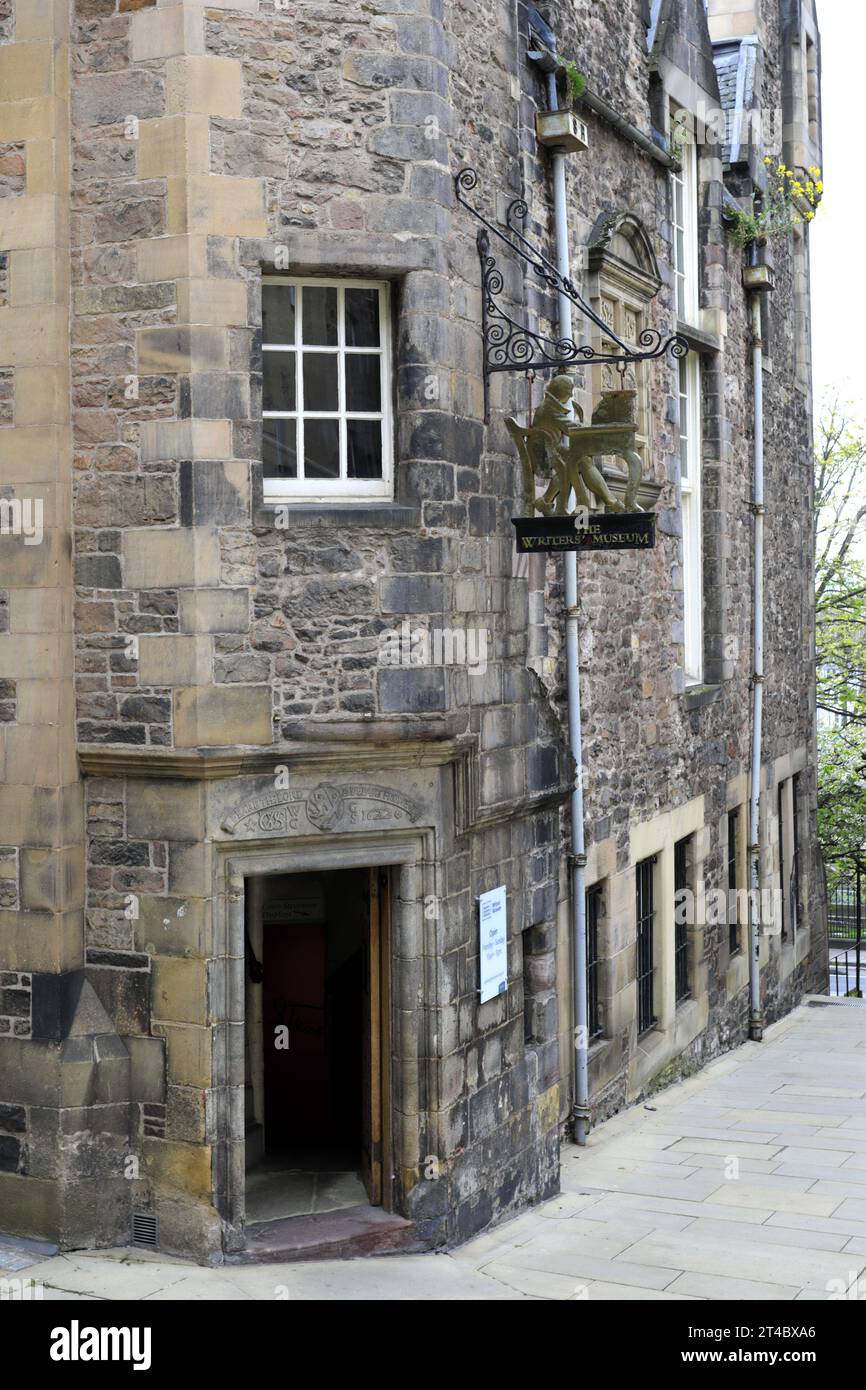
[{"x": 272, "y": 678}]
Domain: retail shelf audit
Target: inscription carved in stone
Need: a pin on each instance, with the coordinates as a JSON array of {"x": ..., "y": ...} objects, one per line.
[{"x": 351, "y": 806}]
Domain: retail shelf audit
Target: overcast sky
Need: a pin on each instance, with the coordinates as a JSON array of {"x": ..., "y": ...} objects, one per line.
[{"x": 839, "y": 231}]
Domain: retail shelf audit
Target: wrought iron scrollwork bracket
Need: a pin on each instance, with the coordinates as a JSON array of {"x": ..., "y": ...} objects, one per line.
[{"x": 510, "y": 346}]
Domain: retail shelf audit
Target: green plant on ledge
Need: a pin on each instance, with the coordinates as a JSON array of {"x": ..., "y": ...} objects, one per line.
[
  {"x": 789, "y": 202},
  {"x": 679, "y": 138},
  {"x": 576, "y": 80}
]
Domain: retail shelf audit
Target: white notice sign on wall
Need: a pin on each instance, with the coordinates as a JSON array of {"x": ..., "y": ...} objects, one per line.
[{"x": 493, "y": 944}]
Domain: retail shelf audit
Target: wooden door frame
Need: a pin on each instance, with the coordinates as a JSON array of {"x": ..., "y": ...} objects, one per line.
[{"x": 378, "y": 1046}]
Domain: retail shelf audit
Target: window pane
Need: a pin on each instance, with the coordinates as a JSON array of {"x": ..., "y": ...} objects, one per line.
[
  {"x": 320, "y": 315},
  {"x": 279, "y": 449},
  {"x": 362, "y": 318},
  {"x": 320, "y": 381},
  {"x": 364, "y": 448},
  {"x": 278, "y": 381},
  {"x": 321, "y": 449},
  {"x": 278, "y": 313},
  {"x": 363, "y": 382}
]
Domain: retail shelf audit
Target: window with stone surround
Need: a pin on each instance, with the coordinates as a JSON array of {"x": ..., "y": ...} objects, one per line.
[
  {"x": 326, "y": 403},
  {"x": 594, "y": 909},
  {"x": 690, "y": 491},
  {"x": 684, "y": 221}
]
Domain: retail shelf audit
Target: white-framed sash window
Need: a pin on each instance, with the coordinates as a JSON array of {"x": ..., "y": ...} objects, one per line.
[
  {"x": 684, "y": 219},
  {"x": 327, "y": 430},
  {"x": 690, "y": 490}
]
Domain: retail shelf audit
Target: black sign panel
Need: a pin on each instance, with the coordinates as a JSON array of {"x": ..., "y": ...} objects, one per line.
[{"x": 610, "y": 531}]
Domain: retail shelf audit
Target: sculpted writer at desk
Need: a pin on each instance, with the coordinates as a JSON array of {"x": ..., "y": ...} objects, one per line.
[{"x": 558, "y": 449}]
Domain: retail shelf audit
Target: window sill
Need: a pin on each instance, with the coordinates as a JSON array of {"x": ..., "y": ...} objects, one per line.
[
  {"x": 698, "y": 696},
  {"x": 296, "y": 515}
]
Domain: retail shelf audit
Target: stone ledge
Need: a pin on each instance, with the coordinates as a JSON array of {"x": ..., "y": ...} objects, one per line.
[
  {"x": 699, "y": 696},
  {"x": 394, "y": 746},
  {"x": 378, "y": 514},
  {"x": 698, "y": 338}
]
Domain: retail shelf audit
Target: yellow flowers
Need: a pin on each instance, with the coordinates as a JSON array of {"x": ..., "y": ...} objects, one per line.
[{"x": 791, "y": 198}]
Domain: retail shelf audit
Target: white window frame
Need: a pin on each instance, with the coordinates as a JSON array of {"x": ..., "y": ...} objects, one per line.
[
  {"x": 685, "y": 182},
  {"x": 341, "y": 489},
  {"x": 690, "y": 493}
]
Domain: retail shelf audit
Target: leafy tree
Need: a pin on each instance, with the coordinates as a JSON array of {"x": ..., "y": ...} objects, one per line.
[{"x": 840, "y": 613}]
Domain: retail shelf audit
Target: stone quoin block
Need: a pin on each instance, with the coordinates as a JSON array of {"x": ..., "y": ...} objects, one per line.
[{"x": 209, "y": 715}]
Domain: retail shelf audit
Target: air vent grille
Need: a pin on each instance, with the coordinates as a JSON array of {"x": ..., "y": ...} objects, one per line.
[{"x": 145, "y": 1230}]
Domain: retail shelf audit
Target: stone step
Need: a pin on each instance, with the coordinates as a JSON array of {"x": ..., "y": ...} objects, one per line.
[{"x": 328, "y": 1235}]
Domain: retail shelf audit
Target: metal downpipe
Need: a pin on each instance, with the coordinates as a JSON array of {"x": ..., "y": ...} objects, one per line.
[
  {"x": 756, "y": 1021},
  {"x": 578, "y": 846}
]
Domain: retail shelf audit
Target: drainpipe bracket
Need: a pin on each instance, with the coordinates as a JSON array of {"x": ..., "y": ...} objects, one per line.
[
  {"x": 757, "y": 509},
  {"x": 577, "y": 861}
]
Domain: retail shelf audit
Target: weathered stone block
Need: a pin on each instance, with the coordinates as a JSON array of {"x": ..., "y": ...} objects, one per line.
[
  {"x": 215, "y": 610},
  {"x": 212, "y": 301},
  {"x": 189, "y": 1050},
  {"x": 198, "y": 347},
  {"x": 210, "y": 85},
  {"x": 179, "y": 990},
  {"x": 214, "y": 716},
  {"x": 30, "y": 1207},
  {"x": 214, "y": 493},
  {"x": 404, "y": 690},
  {"x": 413, "y": 594},
  {"x": 25, "y": 71},
  {"x": 173, "y": 146},
  {"x": 165, "y": 810},
  {"x": 174, "y": 926},
  {"x": 156, "y": 557},
  {"x": 98, "y": 571},
  {"x": 185, "y": 439},
  {"x": 164, "y": 33},
  {"x": 109, "y": 98},
  {"x": 217, "y": 204},
  {"x": 170, "y": 660}
]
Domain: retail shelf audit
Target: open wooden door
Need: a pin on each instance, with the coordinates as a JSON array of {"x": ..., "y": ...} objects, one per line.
[{"x": 376, "y": 1156}]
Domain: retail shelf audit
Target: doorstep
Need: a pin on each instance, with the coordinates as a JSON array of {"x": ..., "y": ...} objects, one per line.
[{"x": 328, "y": 1235}]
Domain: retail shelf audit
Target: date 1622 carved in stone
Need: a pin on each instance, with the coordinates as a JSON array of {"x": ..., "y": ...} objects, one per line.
[{"x": 562, "y": 452}]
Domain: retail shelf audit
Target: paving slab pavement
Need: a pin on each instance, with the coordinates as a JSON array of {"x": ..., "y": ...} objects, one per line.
[{"x": 746, "y": 1182}]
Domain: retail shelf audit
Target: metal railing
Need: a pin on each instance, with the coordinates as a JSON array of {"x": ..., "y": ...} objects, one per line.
[
  {"x": 846, "y": 882},
  {"x": 847, "y": 974}
]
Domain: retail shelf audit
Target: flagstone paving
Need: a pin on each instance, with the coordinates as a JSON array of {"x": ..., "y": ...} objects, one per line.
[{"x": 746, "y": 1182}]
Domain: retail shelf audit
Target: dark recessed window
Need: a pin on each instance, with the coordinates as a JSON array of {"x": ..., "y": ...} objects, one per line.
[
  {"x": 682, "y": 851},
  {"x": 593, "y": 915},
  {"x": 733, "y": 884},
  {"x": 645, "y": 962}
]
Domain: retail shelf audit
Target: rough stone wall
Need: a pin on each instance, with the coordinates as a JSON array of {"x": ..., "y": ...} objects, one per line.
[
  {"x": 206, "y": 140},
  {"x": 298, "y": 621}
]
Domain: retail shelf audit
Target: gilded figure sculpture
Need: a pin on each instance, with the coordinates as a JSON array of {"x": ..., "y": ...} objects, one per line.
[{"x": 561, "y": 450}]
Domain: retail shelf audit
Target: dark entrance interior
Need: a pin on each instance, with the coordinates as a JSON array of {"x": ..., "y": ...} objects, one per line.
[{"x": 316, "y": 1042}]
